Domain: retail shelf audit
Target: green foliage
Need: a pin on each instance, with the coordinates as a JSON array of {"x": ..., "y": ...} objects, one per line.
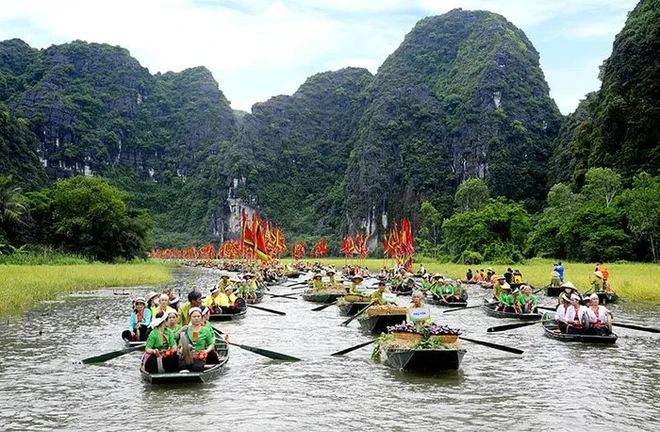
[
  {"x": 642, "y": 208},
  {"x": 619, "y": 129},
  {"x": 472, "y": 195},
  {"x": 498, "y": 232},
  {"x": 601, "y": 186},
  {"x": 92, "y": 218},
  {"x": 18, "y": 151}
]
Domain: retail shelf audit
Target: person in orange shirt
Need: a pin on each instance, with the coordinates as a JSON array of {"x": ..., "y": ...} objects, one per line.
[{"x": 601, "y": 268}]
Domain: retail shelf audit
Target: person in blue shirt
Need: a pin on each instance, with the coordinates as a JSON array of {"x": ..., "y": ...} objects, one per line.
[{"x": 559, "y": 268}]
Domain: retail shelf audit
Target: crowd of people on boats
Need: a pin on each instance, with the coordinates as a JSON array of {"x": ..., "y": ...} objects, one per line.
[{"x": 578, "y": 315}]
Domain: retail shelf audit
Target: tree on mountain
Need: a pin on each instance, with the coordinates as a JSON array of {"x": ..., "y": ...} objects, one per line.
[
  {"x": 601, "y": 185},
  {"x": 472, "y": 195}
]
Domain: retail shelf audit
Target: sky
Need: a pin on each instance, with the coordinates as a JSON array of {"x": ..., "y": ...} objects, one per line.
[{"x": 257, "y": 49}]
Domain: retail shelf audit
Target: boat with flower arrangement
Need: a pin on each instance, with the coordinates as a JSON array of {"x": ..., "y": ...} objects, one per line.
[{"x": 420, "y": 348}]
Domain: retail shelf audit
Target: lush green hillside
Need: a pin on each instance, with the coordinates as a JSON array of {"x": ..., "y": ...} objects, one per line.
[
  {"x": 294, "y": 151},
  {"x": 463, "y": 96},
  {"x": 620, "y": 127}
]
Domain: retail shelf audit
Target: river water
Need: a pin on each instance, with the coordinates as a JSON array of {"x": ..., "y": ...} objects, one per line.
[{"x": 552, "y": 386}]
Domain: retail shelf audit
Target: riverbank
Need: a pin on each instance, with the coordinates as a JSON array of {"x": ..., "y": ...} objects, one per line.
[
  {"x": 24, "y": 285},
  {"x": 632, "y": 281}
]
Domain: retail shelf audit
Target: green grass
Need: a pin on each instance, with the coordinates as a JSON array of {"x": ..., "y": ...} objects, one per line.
[
  {"x": 632, "y": 281},
  {"x": 24, "y": 285}
]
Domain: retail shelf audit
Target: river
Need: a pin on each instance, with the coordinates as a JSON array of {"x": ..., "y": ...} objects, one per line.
[{"x": 552, "y": 386}]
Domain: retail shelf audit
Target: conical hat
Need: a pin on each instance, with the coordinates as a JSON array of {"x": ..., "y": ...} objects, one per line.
[{"x": 568, "y": 285}]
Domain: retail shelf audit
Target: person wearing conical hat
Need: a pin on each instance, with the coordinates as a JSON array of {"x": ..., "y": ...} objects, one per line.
[
  {"x": 317, "y": 282},
  {"x": 568, "y": 288},
  {"x": 555, "y": 279},
  {"x": 331, "y": 276},
  {"x": 224, "y": 281},
  {"x": 598, "y": 283},
  {"x": 497, "y": 286},
  {"x": 357, "y": 287}
]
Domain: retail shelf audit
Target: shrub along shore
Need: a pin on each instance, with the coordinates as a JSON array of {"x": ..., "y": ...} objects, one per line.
[
  {"x": 632, "y": 281},
  {"x": 24, "y": 285}
]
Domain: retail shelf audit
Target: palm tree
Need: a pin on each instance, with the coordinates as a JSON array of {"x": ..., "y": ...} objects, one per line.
[{"x": 11, "y": 207}]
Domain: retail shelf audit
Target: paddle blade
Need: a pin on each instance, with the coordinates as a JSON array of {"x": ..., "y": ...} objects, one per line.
[
  {"x": 266, "y": 353},
  {"x": 353, "y": 348},
  {"x": 273, "y": 311},
  {"x": 348, "y": 321},
  {"x": 493, "y": 345},
  {"x": 510, "y": 326},
  {"x": 319, "y": 308},
  {"x": 636, "y": 327},
  {"x": 114, "y": 354},
  {"x": 460, "y": 309}
]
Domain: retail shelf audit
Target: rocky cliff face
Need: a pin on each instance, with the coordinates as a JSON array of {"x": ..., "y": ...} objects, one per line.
[
  {"x": 463, "y": 96},
  {"x": 619, "y": 123}
]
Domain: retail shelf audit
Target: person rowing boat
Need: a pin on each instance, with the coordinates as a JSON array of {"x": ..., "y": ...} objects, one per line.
[
  {"x": 378, "y": 295},
  {"x": 357, "y": 287}
]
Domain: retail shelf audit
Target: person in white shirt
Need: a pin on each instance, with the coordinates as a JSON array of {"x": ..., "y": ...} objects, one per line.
[
  {"x": 599, "y": 317},
  {"x": 577, "y": 316},
  {"x": 561, "y": 314}
]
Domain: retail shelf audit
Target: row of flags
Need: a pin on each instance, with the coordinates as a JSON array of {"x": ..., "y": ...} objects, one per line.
[
  {"x": 399, "y": 244},
  {"x": 355, "y": 245},
  {"x": 260, "y": 239},
  {"x": 265, "y": 239}
]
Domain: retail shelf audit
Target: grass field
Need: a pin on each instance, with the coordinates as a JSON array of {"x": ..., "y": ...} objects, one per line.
[
  {"x": 632, "y": 281},
  {"x": 24, "y": 285}
]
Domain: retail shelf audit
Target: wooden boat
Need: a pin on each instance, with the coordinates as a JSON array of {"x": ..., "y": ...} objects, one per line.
[
  {"x": 424, "y": 360},
  {"x": 429, "y": 299},
  {"x": 187, "y": 377},
  {"x": 350, "y": 309},
  {"x": 231, "y": 313},
  {"x": 260, "y": 297},
  {"x": 551, "y": 330},
  {"x": 379, "y": 323},
  {"x": 553, "y": 291},
  {"x": 490, "y": 310},
  {"x": 322, "y": 297}
]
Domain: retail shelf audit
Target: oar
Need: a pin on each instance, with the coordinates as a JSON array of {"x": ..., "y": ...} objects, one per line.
[
  {"x": 461, "y": 308},
  {"x": 353, "y": 348},
  {"x": 636, "y": 327},
  {"x": 299, "y": 287},
  {"x": 493, "y": 345},
  {"x": 264, "y": 352},
  {"x": 538, "y": 290},
  {"x": 114, "y": 354},
  {"x": 319, "y": 308},
  {"x": 505, "y": 327},
  {"x": 348, "y": 321},
  {"x": 286, "y": 296},
  {"x": 273, "y": 311}
]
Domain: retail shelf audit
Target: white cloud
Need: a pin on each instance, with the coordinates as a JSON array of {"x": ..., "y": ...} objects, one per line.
[{"x": 257, "y": 48}]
